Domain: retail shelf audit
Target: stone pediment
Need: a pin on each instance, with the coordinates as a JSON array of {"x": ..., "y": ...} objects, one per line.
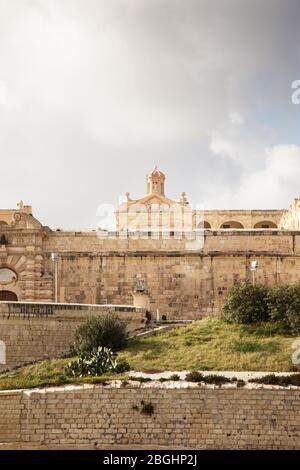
[{"x": 155, "y": 199}]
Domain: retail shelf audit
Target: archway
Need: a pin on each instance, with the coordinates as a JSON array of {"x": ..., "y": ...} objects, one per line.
[
  {"x": 265, "y": 224},
  {"x": 7, "y": 295},
  {"x": 232, "y": 224},
  {"x": 204, "y": 224}
]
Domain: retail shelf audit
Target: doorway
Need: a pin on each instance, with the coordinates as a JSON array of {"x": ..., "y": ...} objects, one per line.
[{"x": 8, "y": 295}]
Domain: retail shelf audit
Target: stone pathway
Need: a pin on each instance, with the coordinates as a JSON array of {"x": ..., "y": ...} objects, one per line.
[
  {"x": 157, "y": 328},
  {"x": 230, "y": 374}
]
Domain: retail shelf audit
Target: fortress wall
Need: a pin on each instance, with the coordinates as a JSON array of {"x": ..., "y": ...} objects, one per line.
[
  {"x": 268, "y": 241},
  {"x": 184, "y": 278},
  {"x": 180, "y": 285},
  {"x": 33, "y": 332},
  {"x": 111, "y": 415},
  {"x": 11, "y": 407}
]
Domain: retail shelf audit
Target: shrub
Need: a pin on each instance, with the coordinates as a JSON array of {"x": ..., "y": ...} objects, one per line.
[
  {"x": 175, "y": 377},
  {"x": 216, "y": 379},
  {"x": 97, "y": 362},
  {"x": 246, "y": 303},
  {"x": 104, "y": 330},
  {"x": 208, "y": 379},
  {"x": 283, "y": 381},
  {"x": 121, "y": 367},
  {"x": 194, "y": 377},
  {"x": 240, "y": 383},
  {"x": 284, "y": 306},
  {"x": 141, "y": 379}
]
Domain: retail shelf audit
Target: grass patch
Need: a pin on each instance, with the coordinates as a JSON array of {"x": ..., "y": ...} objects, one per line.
[
  {"x": 209, "y": 344},
  {"x": 265, "y": 330},
  {"x": 212, "y": 344},
  {"x": 47, "y": 373},
  {"x": 255, "y": 346}
]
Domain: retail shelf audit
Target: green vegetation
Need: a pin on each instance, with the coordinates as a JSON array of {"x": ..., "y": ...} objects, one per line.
[
  {"x": 213, "y": 344},
  {"x": 255, "y": 346},
  {"x": 208, "y": 379},
  {"x": 283, "y": 381},
  {"x": 209, "y": 344},
  {"x": 48, "y": 373},
  {"x": 284, "y": 306},
  {"x": 95, "y": 363},
  {"x": 104, "y": 330},
  {"x": 248, "y": 304}
]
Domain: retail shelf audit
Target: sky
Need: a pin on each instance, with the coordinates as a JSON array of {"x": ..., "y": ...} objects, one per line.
[{"x": 94, "y": 94}]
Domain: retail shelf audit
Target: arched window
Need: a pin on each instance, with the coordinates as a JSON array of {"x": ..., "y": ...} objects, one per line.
[
  {"x": 2, "y": 352},
  {"x": 2, "y": 222},
  {"x": 204, "y": 224},
  {"x": 232, "y": 224},
  {"x": 265, "y": 224},
  {"x": 7, "y": 275}
]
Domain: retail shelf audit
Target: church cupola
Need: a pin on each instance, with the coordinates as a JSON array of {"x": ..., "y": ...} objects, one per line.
[{"x": 156, "y": 182}]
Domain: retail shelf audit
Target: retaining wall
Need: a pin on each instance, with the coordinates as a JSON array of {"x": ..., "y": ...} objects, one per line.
[{"x": 112, "y": 416}]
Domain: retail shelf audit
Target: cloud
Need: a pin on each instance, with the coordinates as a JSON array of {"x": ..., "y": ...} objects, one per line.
[
  {"x": 277, "y": 181},
  {"x": 236, "y": 118},
  {"x": 268, "y": 175},
  {"x": 96, "y": 93}
]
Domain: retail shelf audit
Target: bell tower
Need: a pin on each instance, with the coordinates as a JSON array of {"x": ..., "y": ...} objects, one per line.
[{"x": 156, "y": 182}]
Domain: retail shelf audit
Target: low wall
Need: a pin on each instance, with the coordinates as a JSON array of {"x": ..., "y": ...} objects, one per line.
[
  {"x": 35, "y": 331},
  {"x": 112, "y": 416}
]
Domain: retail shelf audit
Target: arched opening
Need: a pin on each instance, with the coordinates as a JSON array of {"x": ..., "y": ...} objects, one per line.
[
  {"x": 2, "y": 222},
  {"x": 204, "y": 224},
  {"x": 7, "y": 295},
  {"x": 232, "y": 224},
  {"x": 265, "y": 224}
]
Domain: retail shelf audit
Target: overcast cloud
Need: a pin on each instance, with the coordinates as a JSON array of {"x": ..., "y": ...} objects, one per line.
[{"x": 94, "y": 93}]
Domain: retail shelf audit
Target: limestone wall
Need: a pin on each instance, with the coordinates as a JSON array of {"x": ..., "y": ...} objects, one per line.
[
  {"x": 11, "y": 406},
  {"x": 33, "y": 331},
  {"x": 291, "y": 217},
  {"x": 248, "y": 218},
  {"x": 112, "y": 415},
  {"x": 183, "y": 280},
  {"x": 185, "y": 277},
  {"x": 24, "y": 254},
  {"x": 266, "y": 241}
]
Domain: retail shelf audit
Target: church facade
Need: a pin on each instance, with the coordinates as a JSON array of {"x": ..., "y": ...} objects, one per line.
[
  {"x": 182, "y": 259},
  {"x": 155, "y": 211}
]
